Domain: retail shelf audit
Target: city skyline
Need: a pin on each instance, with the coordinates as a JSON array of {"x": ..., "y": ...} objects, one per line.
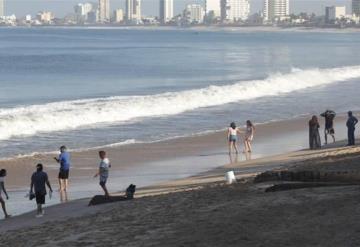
[{"x": 151, "y": 7}]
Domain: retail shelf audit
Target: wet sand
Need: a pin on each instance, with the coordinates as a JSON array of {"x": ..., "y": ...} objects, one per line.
[{"x": 154, "y": 163}]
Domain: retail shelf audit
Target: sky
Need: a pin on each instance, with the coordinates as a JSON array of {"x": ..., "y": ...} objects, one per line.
[{"x": 151, "y": 7}]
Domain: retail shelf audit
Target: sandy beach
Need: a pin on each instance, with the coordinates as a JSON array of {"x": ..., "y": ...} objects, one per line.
[{"x": 202, "y": 210}]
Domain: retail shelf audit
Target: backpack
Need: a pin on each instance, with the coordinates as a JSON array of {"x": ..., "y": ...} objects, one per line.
[{"x": 130, "y": 191}]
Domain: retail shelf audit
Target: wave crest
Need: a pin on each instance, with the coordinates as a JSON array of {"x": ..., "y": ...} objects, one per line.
[{"x": 67, "y": 115}]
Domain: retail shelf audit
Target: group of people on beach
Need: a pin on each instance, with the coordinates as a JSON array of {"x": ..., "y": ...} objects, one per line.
[
  {"x": 232, "y": 137},
  {"x": 329, "y": 116},
  {"x": 40, "y": 179}
]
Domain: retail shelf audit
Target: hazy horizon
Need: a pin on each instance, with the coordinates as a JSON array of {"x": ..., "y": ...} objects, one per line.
[{"x": 150, "y": 7}]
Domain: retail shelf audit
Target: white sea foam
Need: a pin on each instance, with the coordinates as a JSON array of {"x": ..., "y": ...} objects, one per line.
[{"x": 67, "y": 115}]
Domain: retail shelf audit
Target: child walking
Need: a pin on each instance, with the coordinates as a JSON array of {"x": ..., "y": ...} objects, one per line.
[{"x": 103, "y": 171}]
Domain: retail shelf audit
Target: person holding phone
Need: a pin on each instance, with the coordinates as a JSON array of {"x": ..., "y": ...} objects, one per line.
[{"x": 64, "y": 161}]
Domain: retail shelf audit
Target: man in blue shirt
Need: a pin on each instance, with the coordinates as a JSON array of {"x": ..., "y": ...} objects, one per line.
[
  {"x": 64, "y": 161},
  {"x": 351, "y": 123}
]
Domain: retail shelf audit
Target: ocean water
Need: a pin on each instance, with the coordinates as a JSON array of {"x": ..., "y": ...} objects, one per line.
[{"x": 93, "y": 87}]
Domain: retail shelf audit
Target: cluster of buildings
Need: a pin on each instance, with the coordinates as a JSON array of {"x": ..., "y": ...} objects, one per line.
[{"x": 211, "y": 12}]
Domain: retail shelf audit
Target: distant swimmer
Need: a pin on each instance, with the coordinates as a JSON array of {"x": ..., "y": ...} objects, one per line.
[
  {"x": 314, "y": 135},
  {"x": 350, "y": 124},
  {"x": 232, "y": 136},
  {"x": 64, "y": 161},
  {"x": 329, "y": 124},
  {"x": 103, "y": 172},
  {"x": 38, "y": 181},
  {"x": 249, "y": 136},
  {"x": 2, "y": 188}
]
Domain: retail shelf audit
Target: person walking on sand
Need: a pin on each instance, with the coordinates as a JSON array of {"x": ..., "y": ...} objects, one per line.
[
  {"x": 249, "y": 136},
  {"x": 329, "y": 124},
  {"x": 232, "y": 137},
  {"x": 351, "y": 123},
  {"x": 64, "y": 161},
  {"x": 38, "y": 181},
  {"x": 2, "y": 188},
  {"x": 103, "y": 171},
  {"x": 314, "y": 135}
]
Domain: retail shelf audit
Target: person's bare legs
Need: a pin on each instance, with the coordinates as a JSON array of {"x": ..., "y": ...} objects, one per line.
[
  {"x": 333, "y": 137},
  {"x": 249, "y": 146},
  {"x": 235, "y": 147},
  {"x": 4, "y": 208},
  {"x": 230, "y": 147},
  {"x": 66, "y": 184},
  {"x": 39, "y": 209},
  {"x": 105, "y": 190},
  {"x": 60, "y": 185},
  {"x": 326, "y": 133}
]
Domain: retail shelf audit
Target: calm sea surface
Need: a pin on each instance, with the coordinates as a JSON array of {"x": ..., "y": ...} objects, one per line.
[{"x": 92, "y": 87}]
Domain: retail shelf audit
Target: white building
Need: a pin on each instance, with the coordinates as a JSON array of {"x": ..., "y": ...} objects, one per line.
[
  {"x": 2, "y": 7},
  {"x": 276, "y": 10},
  {"x": 194, "y": 13},
  {"x": 28, "y": 18},
  {"x": 118, "y": 15},
  {"x": 82, "y": 11},
  {"x": 334, "y": 13},
  {"x": 166, "y": 11},
  {"x": 133, "y": 11},
  {"x": 104, "y": 11},
  {"x": 45, "y": 17},
  {"x": 234, "y": 10},
  {"x": 356, "y": 7},
  {"x": 213, "y": 7}
]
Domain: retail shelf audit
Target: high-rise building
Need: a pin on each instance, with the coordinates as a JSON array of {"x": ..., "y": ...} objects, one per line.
[
  {"x": 166, "y": 10},
  {"x": 104, "y": 11},
  {"x": 133, "y": 11},
  {"x": 276, "y": 9},
  {"x": 2, "y": 7},
  {"x": 82, "y": 11},
  {"x": 194, "y": 13},
  {"x": 334, "y": 12},
  {"x": 234, "y": 10},
  {"x": 213, "y": 7},
  {"x": 356, "y": 7},
  {"x": 118, "y": 15}
]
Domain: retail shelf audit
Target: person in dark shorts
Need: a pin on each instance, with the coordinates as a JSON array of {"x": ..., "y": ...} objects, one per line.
[
  {"x": 329, "y": 124},
  {"x": 64, "y": 161},
  {"x": 38, "y": 181},
  {"x": 2, "y": 188},
  {"x": 350, "y": 124}
]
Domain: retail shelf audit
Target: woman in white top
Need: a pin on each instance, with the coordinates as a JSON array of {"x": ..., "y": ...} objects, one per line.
[
  {"x": 249, "y": 136},
  {"x": 2, "y": 188},
  {"x": 232, "y": 137}
]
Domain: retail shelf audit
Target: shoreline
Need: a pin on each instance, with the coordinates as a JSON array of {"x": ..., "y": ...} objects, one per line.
[
  {"x": 77, "y": 212},
  {"x": 247, "y": 28},
  {"x": 159, "y": 162}
]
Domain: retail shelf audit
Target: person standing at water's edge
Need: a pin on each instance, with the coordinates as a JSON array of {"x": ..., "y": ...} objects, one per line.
[
  {"x": 329, "y": 124},
  {"x": 232, "y": 137},
  {"x": 351, "y": 123},
  {"x": 314, "y": 135},
  {"x": 38, "y": 181},
  {"x": 2, "y": 188},
  {"x": 64, "y": 160},
  {"x": 103, "y": 171},
  {"x": 249, "y": 136}
]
